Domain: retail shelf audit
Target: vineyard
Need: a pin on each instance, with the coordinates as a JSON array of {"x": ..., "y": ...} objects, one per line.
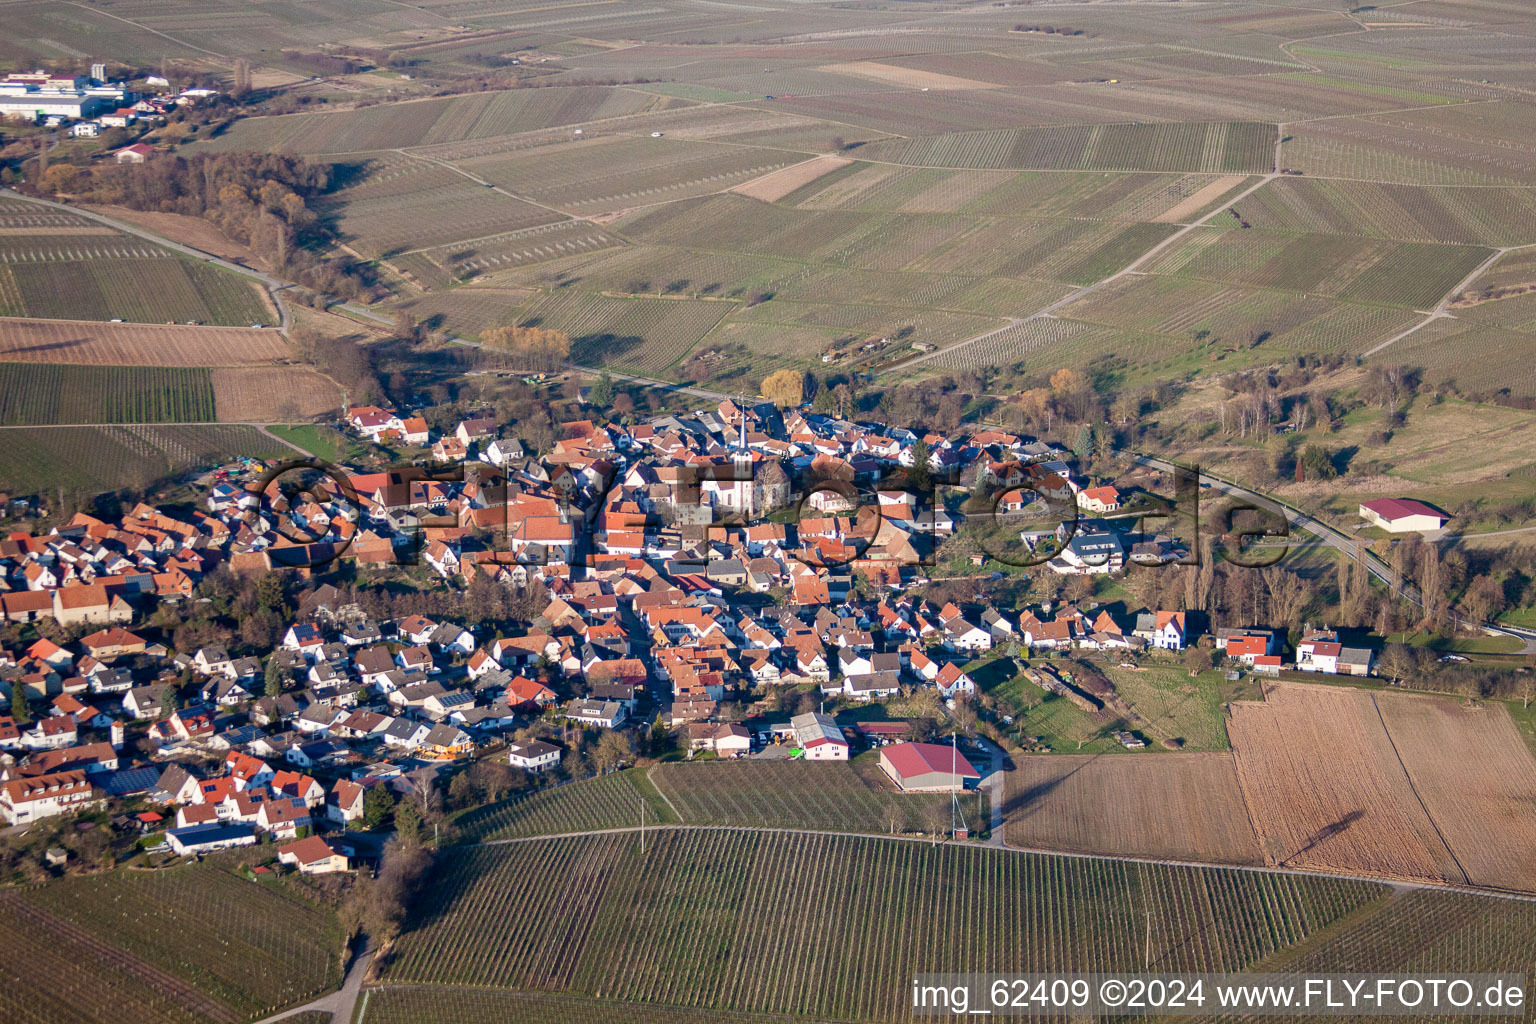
[
  {"x": 643, "y": 334},
  {"x": 266, "y": 394},
  {"x": 151, "y": 289},
  {"x": 1405, "y": 213},
  {"x": 158, "y": 947},
  {"x": 430, "y": 122},
  {"x": 56, "y": 341},
  {"x": 617, "y": 173},
  {"x": 1412, "y": 274},
  {"x": 1210, "y": 147},
  {"x": 87, "y": 460},
  {"x": 608, "y": 801},
  {"x": 435, "y": 1005},
  {"x": 36, "y": 393},
  {"x": 830, "y": 797},
  {"x": 415, "y": 205},
  {"x": 823, "y": 926},
  {"x": 1179, "y": 307}
]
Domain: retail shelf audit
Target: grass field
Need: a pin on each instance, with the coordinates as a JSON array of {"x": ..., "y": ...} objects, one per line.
[
  {"x": 157, "y": 947},
  {"x": 326, "y": 442},
  {"x": 32, "y": 393},
  {"x": 826, "y": 920},
  {"x": 87, "y": 460}
]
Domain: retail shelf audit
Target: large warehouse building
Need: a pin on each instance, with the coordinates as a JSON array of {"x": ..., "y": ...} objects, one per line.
[{"x": 927, "y": 767}]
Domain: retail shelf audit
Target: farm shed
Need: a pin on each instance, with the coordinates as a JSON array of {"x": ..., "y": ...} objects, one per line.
[{"x": 927, "y": 767}]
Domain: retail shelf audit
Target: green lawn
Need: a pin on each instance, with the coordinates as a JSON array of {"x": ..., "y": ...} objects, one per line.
[
  {"x": 1168, "y": 704},
  {"x": 324, "y": 442}
]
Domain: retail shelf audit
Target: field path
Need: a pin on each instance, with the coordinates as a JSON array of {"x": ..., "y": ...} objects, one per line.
[
  {"x": 1131, "y": 268},
  {"x": 650, "y": 776},
  {"x": 342, "y": 1003}
]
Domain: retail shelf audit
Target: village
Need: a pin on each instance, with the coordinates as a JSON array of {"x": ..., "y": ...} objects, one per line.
[{"x": 714, "y": 584}]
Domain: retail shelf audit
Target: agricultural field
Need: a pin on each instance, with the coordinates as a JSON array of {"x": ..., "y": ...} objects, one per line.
[
  {"x": 609, "y": 801},
  {"x": 819, "y": 917},
  {"x": 157, "y": 947},
  {"x": 404, "y": 205},
  {"x": 647, "y": 335},
  {"x": 1412, "y": 274},
  {"x": 88, "y": 460},
  {"x": 261, "y": 394},
  {"x": 34, "y": 393},
  {"x": 1438, "y": 740},
  {"x": 1172, "y": 806},
  {"x": 1209, "y": 147},
  {"x": 145, "y": 285},
  {"x": 783, "y": 794},
  {"x": 433, "y": 121},
  {"x": 95, "y": 344},
  {"x": 1344, "y": 779},
  {"x": 605, "y": 175},
  {"x": 1404, "y": 213}
]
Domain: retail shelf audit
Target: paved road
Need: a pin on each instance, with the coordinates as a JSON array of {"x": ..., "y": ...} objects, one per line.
[
  {"x": 1340, "y": 541},
  {"x": 341, "y": 1003},
  {"x": 272, "y": 284}
]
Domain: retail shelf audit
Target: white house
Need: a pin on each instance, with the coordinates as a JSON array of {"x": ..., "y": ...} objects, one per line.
[
  {"x": 43, "y": 796},
  {"x": 533, "y": 755}
]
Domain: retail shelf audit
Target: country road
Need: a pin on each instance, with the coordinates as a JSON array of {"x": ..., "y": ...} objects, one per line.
[{"x": 1336, "y": 539}]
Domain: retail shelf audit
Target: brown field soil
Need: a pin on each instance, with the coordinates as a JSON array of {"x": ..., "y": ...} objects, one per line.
[
  {"x": 1200, "y": 200},
  {"x": 89, "y": 342},
  {"x": 272, "y": 394},
  {"x": 1478, "y": 780},
  {"x": 1174, "y": 806},
  {"x": 912, "y": 78},
  {"x": 1325, "y": 788},
  {"x": 179, "y": 227},
  {"x": 772, "y": 187}
]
